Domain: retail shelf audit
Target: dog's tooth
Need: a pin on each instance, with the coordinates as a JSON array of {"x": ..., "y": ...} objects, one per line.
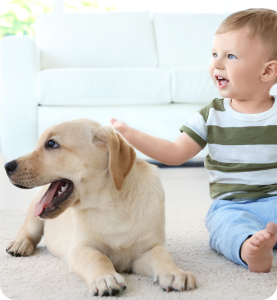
[
  {"x": 63, "y": 188},
  {"x": 59, "y": 193}
]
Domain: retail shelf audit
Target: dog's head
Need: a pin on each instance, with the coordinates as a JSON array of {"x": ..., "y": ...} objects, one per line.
[{"x": 75, "y": 157}]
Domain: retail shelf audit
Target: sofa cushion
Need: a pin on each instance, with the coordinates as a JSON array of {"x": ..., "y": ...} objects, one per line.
[
  {"x": 162, "y": 121},
  {"x": 185, "y": 40},
  {"x": 114, "y": 39},
  {"x": 114, "y": 86},
  {"x": 193, "y": 85}
]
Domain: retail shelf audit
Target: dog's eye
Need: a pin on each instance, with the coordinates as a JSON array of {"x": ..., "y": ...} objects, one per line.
[{"x": 52, "y": 144}]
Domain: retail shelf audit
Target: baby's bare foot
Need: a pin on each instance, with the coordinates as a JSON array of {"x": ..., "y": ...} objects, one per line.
[{"x": 257, "y": 250}]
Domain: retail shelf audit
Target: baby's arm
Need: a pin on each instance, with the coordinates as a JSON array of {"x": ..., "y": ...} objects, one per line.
[{"x": 170, "y": 153}]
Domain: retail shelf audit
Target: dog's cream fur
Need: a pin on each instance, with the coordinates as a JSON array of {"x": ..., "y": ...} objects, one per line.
[{"x": 114, "y": 219}]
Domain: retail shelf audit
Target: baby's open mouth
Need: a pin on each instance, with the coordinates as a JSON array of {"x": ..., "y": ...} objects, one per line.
[
  {"x": 58, "y": 192},
  {"x": 222, "y": 82}
]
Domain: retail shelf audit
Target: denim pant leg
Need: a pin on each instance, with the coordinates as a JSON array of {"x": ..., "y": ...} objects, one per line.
[{"x": 229, "y": 224}]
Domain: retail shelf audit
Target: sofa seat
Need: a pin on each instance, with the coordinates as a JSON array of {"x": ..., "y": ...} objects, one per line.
[
  {"x": 162, "y": 120},
  {"x": 104, "y": 86}
]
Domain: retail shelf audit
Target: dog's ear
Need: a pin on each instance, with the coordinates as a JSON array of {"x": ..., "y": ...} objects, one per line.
[{"x": 121, "y": 154}]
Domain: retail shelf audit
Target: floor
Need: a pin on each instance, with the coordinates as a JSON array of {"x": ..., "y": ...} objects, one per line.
[{"x": 183, "y": 186}]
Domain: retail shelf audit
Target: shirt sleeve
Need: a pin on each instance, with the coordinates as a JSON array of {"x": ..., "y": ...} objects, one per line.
[{"x": 196, "y": 128}]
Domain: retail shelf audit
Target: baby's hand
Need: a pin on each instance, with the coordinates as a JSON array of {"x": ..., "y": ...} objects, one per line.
[{"x": 119, "y": 126}]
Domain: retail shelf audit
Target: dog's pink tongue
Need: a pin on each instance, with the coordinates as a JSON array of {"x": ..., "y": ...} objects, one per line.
[{"x": 46, "y": 199}]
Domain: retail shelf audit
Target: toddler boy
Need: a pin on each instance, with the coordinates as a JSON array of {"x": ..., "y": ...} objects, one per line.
[{"x": 241, "y": 133}]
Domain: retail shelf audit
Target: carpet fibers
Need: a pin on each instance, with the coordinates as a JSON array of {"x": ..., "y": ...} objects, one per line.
[{"x": 43, "y": 276}]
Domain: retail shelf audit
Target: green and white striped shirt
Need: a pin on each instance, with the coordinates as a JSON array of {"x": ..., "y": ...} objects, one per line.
[{"x": 242, "y": 159}]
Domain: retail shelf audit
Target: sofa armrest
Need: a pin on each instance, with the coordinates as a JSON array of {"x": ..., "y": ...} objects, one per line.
[{"x": 19, "y": 57}]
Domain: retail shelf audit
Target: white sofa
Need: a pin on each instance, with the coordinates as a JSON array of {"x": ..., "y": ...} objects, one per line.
[{"x": 151, "y": 72}]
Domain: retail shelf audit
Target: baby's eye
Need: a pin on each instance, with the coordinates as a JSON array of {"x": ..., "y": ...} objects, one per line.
[
  {"x": 231, "y": 56},
  {"x": 214, "y": 55}
]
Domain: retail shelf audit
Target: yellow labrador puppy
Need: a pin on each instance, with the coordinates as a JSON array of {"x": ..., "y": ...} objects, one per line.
[{"x": 100, "y": 208}]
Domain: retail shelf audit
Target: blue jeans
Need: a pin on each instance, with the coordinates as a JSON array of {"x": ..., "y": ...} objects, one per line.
[{"x": 230, "y": 223}]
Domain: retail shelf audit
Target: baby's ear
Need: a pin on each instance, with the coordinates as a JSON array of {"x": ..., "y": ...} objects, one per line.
[
  {"x": 121, "y": 154},
  {"x": 270, "y": 72}
]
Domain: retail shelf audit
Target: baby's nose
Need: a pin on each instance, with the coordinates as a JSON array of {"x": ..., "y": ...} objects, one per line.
[{"x": 218, "y": 64}]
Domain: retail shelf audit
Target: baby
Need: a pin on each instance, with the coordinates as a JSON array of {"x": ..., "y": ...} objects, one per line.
[{"x": 241, "y": 132}]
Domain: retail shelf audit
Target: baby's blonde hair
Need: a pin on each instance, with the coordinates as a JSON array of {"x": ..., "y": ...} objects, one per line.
[{"x": 261, "y": 22}]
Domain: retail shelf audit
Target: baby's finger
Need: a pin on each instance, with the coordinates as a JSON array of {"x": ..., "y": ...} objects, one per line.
[{"x": 112, "y": 120}]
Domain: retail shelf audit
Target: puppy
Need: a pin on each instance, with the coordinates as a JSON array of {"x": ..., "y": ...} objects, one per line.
[{"x": 100, "y": 208}]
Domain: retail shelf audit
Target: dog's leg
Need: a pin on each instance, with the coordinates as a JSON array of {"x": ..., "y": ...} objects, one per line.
[
  {"x": 97, "y": 271},
  {"x": 31, "y": 231},
  {"x": 158, "y": 263}
]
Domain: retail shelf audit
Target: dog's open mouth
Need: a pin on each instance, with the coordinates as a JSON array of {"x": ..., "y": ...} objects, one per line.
[{"x": 58, "y": 192}]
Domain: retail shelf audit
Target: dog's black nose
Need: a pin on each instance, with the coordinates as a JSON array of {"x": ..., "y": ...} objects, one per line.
[{"x": 10, "y": 167}]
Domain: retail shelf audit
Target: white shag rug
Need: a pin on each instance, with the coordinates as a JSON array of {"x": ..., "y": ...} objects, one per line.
[{"x": 45, "y": 277}]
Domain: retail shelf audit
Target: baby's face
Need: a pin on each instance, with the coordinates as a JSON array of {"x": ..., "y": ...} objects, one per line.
[{"x": 239, "y": 60}]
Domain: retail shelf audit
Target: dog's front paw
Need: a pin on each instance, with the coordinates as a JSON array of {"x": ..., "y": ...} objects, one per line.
[
  {"x": 177, "y": 280},
  {"x": 109, "y": 285},
  {"x": 20, "y": 247}
]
